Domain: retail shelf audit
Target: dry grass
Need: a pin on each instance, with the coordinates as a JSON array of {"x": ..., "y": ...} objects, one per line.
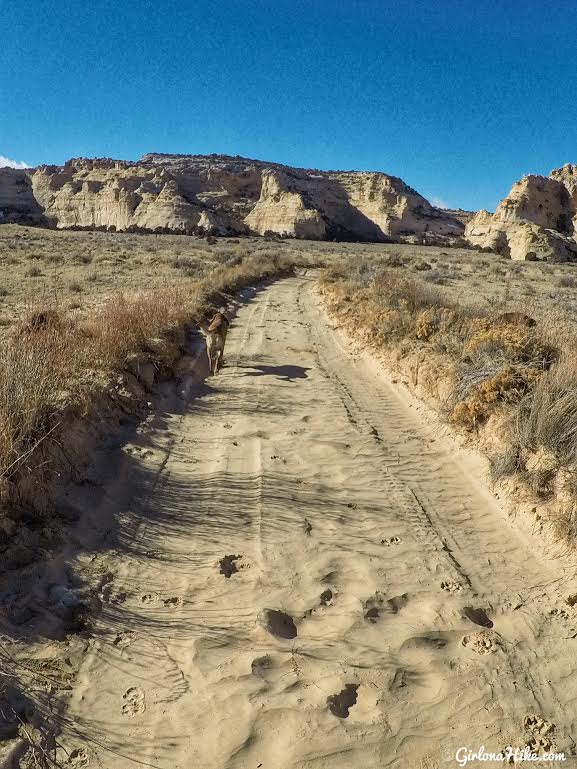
[
  {"x": 490, "y": 362},
  {"x": 525, "y": 376},
  {"x": 53, "y": 357},
  {"x": 82, "y": 270},
  {"x": 547, "y": 419}
]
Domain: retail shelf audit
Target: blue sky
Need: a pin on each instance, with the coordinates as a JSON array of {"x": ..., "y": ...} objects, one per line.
[{"x": 459, "y": 98}]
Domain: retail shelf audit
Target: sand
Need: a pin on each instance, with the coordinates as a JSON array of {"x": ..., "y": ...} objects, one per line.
[{"x": 307, "y": 571}]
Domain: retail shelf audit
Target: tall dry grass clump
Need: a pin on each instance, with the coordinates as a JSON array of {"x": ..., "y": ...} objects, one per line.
[
  {"x": 128, "y": 323},
  {"x": 35, "y": 370},
  {"x": 547, "y": 418}
]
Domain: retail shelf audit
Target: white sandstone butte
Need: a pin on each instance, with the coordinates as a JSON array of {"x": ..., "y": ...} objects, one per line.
[{"x": 218, "y": 194}]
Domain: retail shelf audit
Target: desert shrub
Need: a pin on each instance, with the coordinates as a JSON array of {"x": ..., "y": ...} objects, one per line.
[
  {"x": 129, "y": 321},
  {"x": 242, "y": 251},
  {"x": 453, "y": 332},
  {"x": 398, "y": 290},
  {"x": 506, "y": 463},
  {"x": 492, "y": 342},
  {"x": 228, "y": 258},
  {"x": 360, "y": 271},
  {"x": 566, "y": 281},
  {"x": 84, "y": 258},
  {"x": 185, "y": 263},
  {"x": 394, "y": 260},
  {"x": 507, "y": 343},
  {"x": 439, "y": 277},
  {"x": 433, "y": 320},
  {"x": 505, "y": 386}
]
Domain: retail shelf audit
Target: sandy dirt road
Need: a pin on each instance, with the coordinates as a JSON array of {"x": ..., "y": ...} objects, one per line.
[{"x": 306, "y": 574}]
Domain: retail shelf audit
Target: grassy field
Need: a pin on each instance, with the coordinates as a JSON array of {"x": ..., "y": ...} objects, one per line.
[{"x": 78, "y": 270}]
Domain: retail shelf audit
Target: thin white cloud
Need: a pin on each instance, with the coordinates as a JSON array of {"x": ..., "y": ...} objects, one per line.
[
  {"x": 438, "y": 203},
  {"x": 7, "y": 163}
]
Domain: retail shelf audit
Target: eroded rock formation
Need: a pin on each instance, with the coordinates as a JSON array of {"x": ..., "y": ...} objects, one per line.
[
  {"x": 537, "y": 219},
  {"x": 228, "y": 195},
  {"x": 17, "y": 201}
]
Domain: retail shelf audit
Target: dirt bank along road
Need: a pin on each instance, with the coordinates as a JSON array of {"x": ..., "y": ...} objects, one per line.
[{"x": 305, "y": 573}]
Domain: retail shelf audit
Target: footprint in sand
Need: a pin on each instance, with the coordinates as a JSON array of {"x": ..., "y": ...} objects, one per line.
[
  {"x": 78, "y": 758},
  {"x": 124, "y": 639},
  {"x": 535, "y": 724},
  {"x": 326, "y": 597},
  {"x": 115, "y": 597},
  {"x": 261, "y": 665},
  {"x": 435, "y": 640},
  {"x": 228, "y": 565},
  {"x": 173, "y": 601},
  {"x": 481, "y": 643},
  {"x": 451, "y": 586},
  {"x": 341, "y": 703},
  {"x": 478, "y": 616},
  {"x": 278, "y": 623},
  {"x": 538, "y": 744},
  {"x": 560, "y": 613},
  {"x": 134, "y": 702},
  {"x": 372, "y": 607},
  {"x": 395, "y": 604},
  {"x": 108, "y": 593},
  {"x": 142, "y": 453}
]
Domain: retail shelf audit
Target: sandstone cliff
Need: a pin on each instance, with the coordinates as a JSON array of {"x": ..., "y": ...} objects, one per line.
[
  {"x": 118, "y": 195},
  {"x": 17, "y": 201},
  {"x": 229, "y": 195},
  {"x": 537, "y": 219}
]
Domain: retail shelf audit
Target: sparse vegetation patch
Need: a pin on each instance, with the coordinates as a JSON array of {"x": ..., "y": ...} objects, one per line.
[{"x": 502, "y": 377}]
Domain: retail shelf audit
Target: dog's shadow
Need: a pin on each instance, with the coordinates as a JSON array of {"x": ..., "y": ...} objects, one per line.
[{"x": 287, "y": 373}]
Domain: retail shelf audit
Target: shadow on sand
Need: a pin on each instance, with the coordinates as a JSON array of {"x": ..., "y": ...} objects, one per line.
[{"x": 286, "y": 373}]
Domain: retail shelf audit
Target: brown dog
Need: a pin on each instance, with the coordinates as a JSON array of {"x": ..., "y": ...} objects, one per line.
[{"x": 215, "y": 334}]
